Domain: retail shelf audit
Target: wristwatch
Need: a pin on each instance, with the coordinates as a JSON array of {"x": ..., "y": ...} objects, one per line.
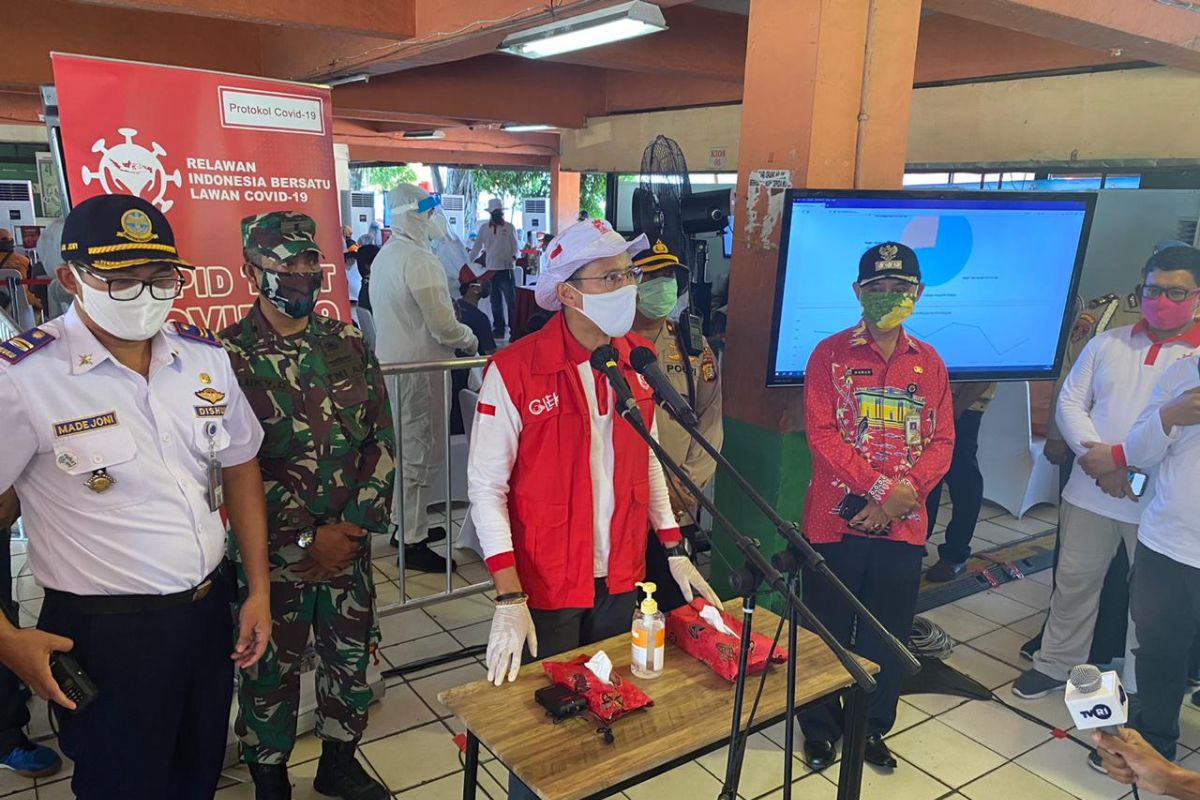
[{"x": 306, "y": 537}]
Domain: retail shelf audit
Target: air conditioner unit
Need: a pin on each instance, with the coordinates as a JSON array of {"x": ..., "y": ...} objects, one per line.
[
  {"x": 16, "y": 206},
  {"x": 535, "y": 215},
  {"x": 455, "y": 207},
  {"x": 358, "y": 211}
]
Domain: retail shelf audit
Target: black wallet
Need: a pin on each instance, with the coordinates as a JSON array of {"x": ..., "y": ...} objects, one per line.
[{"x": 560, "y": 702}]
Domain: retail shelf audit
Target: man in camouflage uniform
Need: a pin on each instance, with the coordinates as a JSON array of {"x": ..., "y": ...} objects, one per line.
[{"x": 328, "y": 470}]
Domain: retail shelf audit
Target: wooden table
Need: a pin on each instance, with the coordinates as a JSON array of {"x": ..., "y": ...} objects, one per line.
[{"x": 691, "y": 717}]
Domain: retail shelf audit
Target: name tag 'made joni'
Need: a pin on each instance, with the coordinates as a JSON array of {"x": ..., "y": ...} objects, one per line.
[
  {"x": 84, "y": 424},
  {"x": 275, "y": 111}
]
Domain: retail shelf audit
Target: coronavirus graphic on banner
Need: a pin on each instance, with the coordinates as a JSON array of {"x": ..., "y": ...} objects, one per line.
[{"x": 207, "y": 149}]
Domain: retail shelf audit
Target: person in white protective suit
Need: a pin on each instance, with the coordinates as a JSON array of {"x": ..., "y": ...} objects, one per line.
[{"x": 415, "y": 321}]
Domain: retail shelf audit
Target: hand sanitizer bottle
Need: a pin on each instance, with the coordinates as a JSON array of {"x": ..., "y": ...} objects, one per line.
[{"x": 649, "y": 636}]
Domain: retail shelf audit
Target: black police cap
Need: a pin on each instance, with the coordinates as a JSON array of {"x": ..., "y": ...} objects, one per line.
[{"x": 115, "y": 231}]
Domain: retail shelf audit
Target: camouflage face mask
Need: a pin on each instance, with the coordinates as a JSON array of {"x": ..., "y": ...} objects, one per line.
[{"x": 294, "y": 294}]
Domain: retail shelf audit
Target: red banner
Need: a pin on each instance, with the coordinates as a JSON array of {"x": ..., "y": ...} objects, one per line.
[{"x": 208, "y": 149}]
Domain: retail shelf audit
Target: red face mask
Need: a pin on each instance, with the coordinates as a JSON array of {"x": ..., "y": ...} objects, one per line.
[{"x": 1164, "y": 314}]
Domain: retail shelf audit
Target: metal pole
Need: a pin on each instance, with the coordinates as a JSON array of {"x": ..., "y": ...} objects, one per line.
[
  {"x": 446, "y": 406},
  {"x": 399, "y": 425}
]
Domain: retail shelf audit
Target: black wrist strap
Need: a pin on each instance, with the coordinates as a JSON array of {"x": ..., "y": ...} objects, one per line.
[{"x": 510, "y": 597}]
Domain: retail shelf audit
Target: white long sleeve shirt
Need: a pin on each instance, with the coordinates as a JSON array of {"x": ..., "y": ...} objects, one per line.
[
  {"x": 498, "y": 243},
  {"x": 1170, "y": 524},
  {"x": 1101, "y": 397},
  {"x": 493, "y": 453}
]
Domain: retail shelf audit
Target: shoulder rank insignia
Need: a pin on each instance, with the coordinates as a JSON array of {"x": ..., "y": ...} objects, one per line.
[
  {"x": 23, "y": 344},
  {"x": 197, "y": 334}
]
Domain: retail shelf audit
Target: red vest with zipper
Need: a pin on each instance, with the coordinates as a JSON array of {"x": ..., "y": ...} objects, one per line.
[{"x": 550, "y": 490}]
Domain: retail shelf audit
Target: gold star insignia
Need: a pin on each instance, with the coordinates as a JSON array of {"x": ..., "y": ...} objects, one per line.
[
  {"x": 85, "y": 359},
  {"x": 205, "y": 378}
]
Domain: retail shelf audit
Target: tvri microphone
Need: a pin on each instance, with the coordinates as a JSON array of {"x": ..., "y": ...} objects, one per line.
[{"x": 1096, "y": 699}]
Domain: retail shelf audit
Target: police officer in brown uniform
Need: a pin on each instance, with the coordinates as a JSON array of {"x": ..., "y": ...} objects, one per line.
[{"x": 692, "y": 370}]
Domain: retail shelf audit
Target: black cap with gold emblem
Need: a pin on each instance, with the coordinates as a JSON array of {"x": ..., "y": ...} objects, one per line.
[
  {"x": 889, "y": 260},
  {"x": 115, "y": 231}
]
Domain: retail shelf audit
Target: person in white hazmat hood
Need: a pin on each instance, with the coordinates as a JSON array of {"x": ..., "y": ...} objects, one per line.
[{"x": 415, "y": 321}]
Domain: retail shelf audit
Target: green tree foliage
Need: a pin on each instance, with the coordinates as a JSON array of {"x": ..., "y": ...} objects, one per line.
[
  {"x": 385, "y": 177},
  {"x": 512, "y": 184},
  {"x": 593, "y": 186}
]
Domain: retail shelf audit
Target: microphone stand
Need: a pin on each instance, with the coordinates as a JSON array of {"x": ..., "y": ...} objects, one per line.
[
  {"x": 798, "y": 553},
  {"x": 746, "y": 582}
]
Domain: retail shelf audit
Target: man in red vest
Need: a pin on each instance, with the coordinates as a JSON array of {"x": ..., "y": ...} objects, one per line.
[{"x": 563, "y": 494}]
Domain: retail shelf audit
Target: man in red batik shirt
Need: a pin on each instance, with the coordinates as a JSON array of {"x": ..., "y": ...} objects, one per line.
[{"x": 880, "y": 424}]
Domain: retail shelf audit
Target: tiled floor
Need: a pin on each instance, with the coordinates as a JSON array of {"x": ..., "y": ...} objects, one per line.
[{"x": 948, "y": 747}]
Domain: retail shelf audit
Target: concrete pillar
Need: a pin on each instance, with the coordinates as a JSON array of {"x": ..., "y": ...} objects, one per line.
[
  {"x": 827, "y": 94},
  {"x": 564, "y": 196}
]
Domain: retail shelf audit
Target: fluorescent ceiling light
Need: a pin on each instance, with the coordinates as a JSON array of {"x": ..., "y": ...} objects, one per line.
[
  {"x": 580, "y": 32},
  {"x": 438, "y": 134},
  {"x": 526, "y": 128}
]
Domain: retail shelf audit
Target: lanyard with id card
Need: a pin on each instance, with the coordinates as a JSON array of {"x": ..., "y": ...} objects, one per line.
[
  {"x": 912, "y": 430},
  {"x": 215, "y": 488}
]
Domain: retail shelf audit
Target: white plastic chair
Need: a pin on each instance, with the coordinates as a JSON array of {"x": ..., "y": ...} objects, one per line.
[{"x": 1015, "y": 474}]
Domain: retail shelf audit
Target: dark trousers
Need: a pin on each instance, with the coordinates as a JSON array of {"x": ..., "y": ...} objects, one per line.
[
  {"x": 158, "y": 726},
  {"x": 503, "y": 293},
  {"x": 567, "y": 628},
  {"x": 1165, "y": 601},
  {"x": 14, "y": 697},
  {"x": 966, "y": 490},
  {"x": 885, "y": 576}
]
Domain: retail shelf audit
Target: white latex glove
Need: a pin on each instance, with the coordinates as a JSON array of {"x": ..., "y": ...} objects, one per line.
[
  {"x": 512, "y": 626},
  {"x": 688, "y": 577}
]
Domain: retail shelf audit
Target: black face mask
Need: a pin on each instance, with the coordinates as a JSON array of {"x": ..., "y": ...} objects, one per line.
[
  {"x": 294, "y": 294},
  {"x": 497, "y": 217},
  {"x": 484, "y": 292},
  {"x": 7, "y": 245}
]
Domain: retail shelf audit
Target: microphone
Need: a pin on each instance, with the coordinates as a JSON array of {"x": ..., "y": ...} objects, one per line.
[
  {"x": 645, "y": 362},
  {"x": 1096, "y": 699},
  {"x": 604, "y": 359}
]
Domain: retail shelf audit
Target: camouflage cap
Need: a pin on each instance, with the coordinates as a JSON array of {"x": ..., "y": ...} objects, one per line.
[{"x": 279, "y": 235}]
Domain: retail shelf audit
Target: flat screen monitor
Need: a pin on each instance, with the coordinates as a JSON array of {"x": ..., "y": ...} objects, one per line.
[{"x": 1000, "y": 272}]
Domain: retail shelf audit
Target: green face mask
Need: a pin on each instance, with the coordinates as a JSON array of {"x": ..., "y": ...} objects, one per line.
[
  {"x": 656, "y": 298},
  {"x": 886, "y": 310}
]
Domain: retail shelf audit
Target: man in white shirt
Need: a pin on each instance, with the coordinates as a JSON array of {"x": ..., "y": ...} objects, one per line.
[
  {"x": 415, "y": 321},
  {"x": 1165, "y": 595},
  {"x": 1102, "y": 396},
  {"x": 119, "y": 431},
  {"x": 497, "y": 240},
  {"x": 563, "y": 493}
]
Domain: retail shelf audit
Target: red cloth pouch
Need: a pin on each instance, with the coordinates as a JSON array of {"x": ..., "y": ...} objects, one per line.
[
  {"x": 608, "y": 701},
  {"x": 718, "y": 650}
]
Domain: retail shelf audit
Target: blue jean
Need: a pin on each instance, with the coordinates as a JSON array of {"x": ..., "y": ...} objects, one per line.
[{"x": 503, "y": 293}]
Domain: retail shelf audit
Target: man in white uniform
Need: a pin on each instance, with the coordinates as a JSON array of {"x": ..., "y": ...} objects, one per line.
[
  {"x": 1107, "y": 388},
  {"x": 119, "y": 434},
  {"x": 415, "y": 321},
  {"x": 497, "y": 240}
]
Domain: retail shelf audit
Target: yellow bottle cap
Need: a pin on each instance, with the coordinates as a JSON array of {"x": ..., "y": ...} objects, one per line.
[{"x": 649, "y": 605}]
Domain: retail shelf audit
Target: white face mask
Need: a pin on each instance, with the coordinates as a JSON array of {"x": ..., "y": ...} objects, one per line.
[
  {"x": 133, "y": 320},
  {"x": 613, "y": 311}
]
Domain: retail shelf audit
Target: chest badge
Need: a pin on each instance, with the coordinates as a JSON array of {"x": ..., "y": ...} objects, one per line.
[
  {"x": 919, "y": 370},
  {"x": 205, "y": 378},
  {"x": 210, "y": 395},
  {"x": 66, "y": 461},
  {"x": 100, "y": 482}
]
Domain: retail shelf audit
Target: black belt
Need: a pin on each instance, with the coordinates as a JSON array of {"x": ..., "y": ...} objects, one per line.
[{"x": 133, "y": 603}]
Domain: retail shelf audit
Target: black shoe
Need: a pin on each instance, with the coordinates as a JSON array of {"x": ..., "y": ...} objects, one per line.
[
  {"x": 944, "y": 571},
  {"x": 422, "y": 559},
  {"x": 271, "y": 781},
  {"x": 877, "y": 753},
  {"x": 340, "y": 775},
  {"x": 435, "y": 534},
  {"x": 818, "y": 754}
]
